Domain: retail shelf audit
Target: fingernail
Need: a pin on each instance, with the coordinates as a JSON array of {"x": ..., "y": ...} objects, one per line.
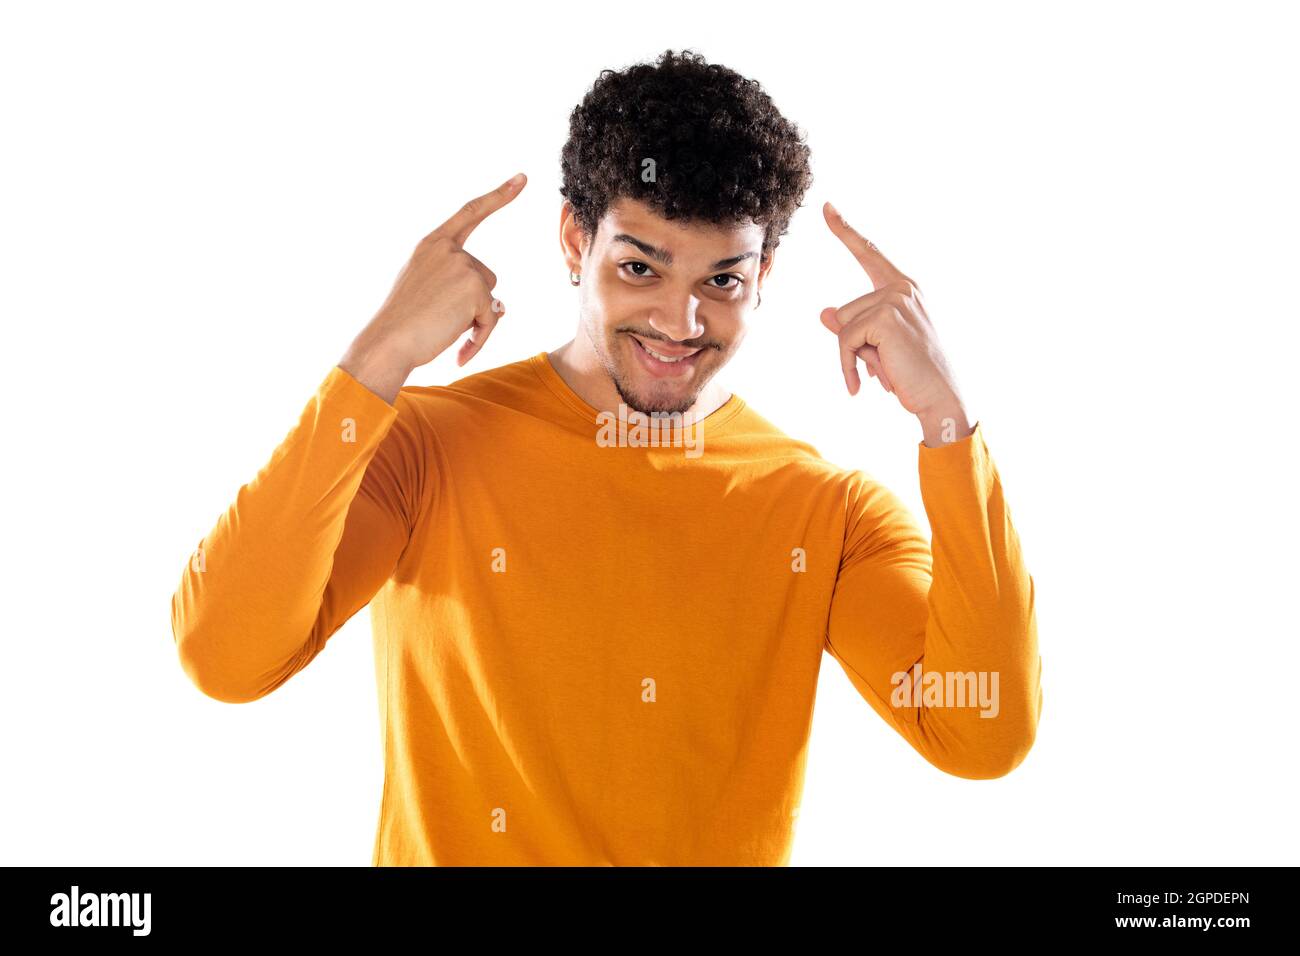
[
  {"x": 834, "y": 212},
  {"x": 515, "y": 180}
]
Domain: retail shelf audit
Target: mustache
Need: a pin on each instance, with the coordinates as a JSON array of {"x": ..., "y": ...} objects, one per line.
[{"x": 699, "y": 343}]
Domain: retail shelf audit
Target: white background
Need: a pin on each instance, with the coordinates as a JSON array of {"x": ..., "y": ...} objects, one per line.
[{"x": 203, "y": 204}]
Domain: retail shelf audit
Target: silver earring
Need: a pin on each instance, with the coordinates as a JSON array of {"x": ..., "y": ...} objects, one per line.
[
  {"x": 574, "y": 278},
  {"x": 760, "y": 298}
]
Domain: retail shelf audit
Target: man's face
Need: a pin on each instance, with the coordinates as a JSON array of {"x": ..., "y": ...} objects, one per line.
[{"x": 664, "y": 303}]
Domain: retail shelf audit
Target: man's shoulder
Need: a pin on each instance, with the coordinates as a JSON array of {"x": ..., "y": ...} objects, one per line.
[
  {"x": 510, "y": 384},
  {"x": 767, "y": 439},
  {"x": 512, "y": 375},
  {"x": 794, "y": 462}
]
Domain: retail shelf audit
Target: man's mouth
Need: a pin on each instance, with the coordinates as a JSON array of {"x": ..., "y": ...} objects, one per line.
[{"x": 661, "y": 360}]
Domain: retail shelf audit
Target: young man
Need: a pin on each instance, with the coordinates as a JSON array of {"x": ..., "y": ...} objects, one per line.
[{"x": 602, "y": 585}]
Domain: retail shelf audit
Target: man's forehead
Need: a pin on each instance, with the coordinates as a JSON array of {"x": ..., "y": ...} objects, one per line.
[{"x": 627, "y": 216}]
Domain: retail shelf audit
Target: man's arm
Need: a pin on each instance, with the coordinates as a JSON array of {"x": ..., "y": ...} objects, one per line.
[
  {"x": 957, "y": 613},
  {"x": 311, "y": 539},
  {"x": 944, "y": 646},
  {"x": 305, "y": 545}
]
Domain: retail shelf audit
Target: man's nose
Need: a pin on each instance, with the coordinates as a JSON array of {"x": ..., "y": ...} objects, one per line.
[{"x": 678, "y": 322}]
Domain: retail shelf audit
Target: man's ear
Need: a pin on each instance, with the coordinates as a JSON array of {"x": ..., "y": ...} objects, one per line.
[
  {"x": 573, "y": 241},
  {"x": 766, "y": 267}
]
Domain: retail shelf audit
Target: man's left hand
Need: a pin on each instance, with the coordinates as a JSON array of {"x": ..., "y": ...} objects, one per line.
[{"x": 889, "y": 330}]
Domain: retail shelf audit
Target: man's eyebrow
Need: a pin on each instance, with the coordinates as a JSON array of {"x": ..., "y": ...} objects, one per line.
[{"x": 666, "y": 257}]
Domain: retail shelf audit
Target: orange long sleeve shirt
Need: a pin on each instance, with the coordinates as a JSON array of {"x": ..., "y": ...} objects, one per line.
[{"x": 590, "y": 652}]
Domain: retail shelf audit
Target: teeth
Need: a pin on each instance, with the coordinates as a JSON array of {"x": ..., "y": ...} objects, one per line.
[{"x": 664, "y": 358}]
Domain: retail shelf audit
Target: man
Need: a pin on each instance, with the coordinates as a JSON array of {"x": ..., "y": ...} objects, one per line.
[{"x": 601, "y": 584}]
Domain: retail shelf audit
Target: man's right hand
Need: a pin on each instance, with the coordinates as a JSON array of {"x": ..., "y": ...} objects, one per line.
[{"x": 441, "y": 292}]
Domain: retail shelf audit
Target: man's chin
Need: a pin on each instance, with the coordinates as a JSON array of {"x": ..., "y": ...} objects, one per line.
[{"x": 670, "y": 402}]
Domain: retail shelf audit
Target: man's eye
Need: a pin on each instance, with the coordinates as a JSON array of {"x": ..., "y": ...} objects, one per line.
[{"x": 636, "y": 264}]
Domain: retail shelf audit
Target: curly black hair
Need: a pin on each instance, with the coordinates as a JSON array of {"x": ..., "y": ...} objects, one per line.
[{"x": 693, "y": 140}]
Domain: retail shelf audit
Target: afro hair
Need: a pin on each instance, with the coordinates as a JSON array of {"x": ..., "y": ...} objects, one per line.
[{"x": 695, "y": 141}]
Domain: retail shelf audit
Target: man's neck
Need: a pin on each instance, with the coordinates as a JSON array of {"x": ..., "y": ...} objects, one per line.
[{"x": 582, "y": 371}]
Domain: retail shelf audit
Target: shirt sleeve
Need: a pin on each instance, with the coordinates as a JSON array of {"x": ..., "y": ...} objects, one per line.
[
  {"x": 305, "y": 545},
  {"x": 947, "y": 618}
]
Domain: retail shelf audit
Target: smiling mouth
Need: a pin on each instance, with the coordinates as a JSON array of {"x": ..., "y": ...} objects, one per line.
[{"x": 664, "y": 357}]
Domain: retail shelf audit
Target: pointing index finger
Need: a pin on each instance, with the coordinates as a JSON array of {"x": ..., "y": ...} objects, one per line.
[
  {"x": 879, "y": 269},
  {"x": 470, "y": 215}
]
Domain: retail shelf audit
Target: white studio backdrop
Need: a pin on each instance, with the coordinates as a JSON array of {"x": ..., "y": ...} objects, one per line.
[{"x": 204, "y": 203}]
